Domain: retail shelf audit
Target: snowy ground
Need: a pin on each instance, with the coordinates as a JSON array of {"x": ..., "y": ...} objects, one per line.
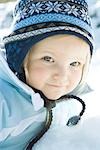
[
  {"x": 87, "y": 137},
  {"x": 77, "y": 138}
]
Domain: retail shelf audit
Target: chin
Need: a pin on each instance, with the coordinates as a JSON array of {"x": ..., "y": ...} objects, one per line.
[{"x": 53, "y": 97}]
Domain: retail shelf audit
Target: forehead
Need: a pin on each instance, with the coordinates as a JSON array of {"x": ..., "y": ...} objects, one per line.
[{"x": 62, "y": 45}]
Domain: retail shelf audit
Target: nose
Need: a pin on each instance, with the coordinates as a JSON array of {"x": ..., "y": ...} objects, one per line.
[{"x": 61, "y": 73}]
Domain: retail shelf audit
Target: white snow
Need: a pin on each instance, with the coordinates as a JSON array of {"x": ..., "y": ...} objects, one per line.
[{"x": 84, "y": 137}]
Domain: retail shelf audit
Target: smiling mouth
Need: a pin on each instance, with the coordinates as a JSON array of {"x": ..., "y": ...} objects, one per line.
[{"x": 58, "y": 86}]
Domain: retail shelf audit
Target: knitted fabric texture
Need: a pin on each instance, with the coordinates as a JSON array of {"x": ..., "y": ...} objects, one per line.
[{"x": 35, "y": 20}]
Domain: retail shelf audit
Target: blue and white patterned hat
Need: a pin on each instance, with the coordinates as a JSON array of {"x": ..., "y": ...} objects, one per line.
[{"x": 35, "y": 20}]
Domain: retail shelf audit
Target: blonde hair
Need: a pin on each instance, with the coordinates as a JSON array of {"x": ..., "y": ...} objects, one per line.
[{"x": 83, "y": 87}]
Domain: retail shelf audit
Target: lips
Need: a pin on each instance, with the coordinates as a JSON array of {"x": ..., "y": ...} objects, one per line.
[{"x": 55, "y": 85}]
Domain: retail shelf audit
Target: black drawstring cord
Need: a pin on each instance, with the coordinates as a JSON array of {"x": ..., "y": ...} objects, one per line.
[
  {"x": 75, "y": 119},
  {"x": 45, "y": 129},
  {"x": 49, "y": 104}
]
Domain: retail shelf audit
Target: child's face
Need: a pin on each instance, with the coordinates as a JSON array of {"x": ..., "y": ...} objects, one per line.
[{"x": 55, "y": 65}]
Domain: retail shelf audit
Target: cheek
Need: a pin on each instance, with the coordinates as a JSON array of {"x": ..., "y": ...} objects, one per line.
[
  {"x": 76, "y": 78},
  {"x": 38, "y": 72},
  {"x": 37, "y": 76}
]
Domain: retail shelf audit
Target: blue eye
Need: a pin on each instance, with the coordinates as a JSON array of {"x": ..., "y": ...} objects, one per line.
[
  {"x": 48, "y": 59},
  {"x": 75, "y": 64}
]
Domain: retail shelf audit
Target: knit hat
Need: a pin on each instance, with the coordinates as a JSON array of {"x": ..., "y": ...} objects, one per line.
[{"x": 35, "y": 20}]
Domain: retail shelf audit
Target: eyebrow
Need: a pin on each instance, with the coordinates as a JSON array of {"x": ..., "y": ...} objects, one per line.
[
  {"x": 48, "y": 52},
  {"x": 80, "y": 58}
]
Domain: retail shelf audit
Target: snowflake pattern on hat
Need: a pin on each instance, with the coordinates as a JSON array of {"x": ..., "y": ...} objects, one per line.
[{"x": 28, "y": 8}]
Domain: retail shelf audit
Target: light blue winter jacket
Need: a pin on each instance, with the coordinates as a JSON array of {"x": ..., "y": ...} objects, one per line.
[
  {"x": 22, "y": 114},
  {"x": 22, "y": 111}
]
